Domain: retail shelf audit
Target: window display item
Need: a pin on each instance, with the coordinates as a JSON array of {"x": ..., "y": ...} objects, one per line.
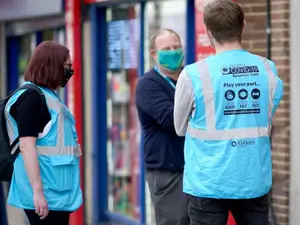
[
  {"x": 122, "y": 122},
  {"x": 120, "y": 89}
]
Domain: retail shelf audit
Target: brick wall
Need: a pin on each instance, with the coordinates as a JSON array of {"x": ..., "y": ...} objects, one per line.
[{"x": 255, "y": 40}]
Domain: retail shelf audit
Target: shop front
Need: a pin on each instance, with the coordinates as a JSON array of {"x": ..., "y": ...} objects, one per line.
[
  {"x": 24, "y": 29},
  {"x": 20, "y": 48},
  {"x": 116, "y": 36}
]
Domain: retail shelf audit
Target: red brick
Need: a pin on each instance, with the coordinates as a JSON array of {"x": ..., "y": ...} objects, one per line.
[{"x": 255, "y": 41}]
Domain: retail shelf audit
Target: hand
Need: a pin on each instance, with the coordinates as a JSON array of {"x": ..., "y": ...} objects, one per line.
[{"x": 40, "y": 204}]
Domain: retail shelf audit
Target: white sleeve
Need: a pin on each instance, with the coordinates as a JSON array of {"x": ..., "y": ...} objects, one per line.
[{"x": 184, "y": 101}]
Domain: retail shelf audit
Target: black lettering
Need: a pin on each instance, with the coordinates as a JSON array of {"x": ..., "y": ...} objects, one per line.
[
  {"x": 241, "y": 111},
  {"x": 243, "y": 69}
]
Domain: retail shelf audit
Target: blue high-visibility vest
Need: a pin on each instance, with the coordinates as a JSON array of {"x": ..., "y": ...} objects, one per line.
[
  {"x": 227, "y": 145},
  {"x": 58, "y": 155}
]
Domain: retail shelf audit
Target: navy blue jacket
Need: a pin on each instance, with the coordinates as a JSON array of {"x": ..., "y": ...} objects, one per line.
[{"x": 163, "y": 149}]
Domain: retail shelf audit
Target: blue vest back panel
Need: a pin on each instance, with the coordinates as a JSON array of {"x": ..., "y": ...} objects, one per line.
[{"x": 227, "y": 147}]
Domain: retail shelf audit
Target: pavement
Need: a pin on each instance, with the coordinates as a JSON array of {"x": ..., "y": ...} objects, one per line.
[{"x": 16, "y": 216}]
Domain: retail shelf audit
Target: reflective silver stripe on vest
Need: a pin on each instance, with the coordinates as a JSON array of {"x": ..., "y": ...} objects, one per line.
[
  {"x": 238, "y": 133},
  {"x": 60, "y": 148},
  {"x": 211, "y": 133},
  {"x": 208, "y": 95},
  {"x": 52, "y": 151},
  {"x": 272, "y": 86}
]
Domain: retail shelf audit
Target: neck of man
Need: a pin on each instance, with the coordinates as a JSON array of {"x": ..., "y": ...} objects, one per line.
[
  {"x": 228, "y": 46},
  {"x": 172, "y": 74}
]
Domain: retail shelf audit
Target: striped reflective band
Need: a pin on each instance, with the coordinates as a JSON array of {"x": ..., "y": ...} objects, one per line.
[
  {"x": 208, "y": 95},
  {"x": 52, "y": 151},
  {"x": 272, "y": 86},
  {"x": 60, "y": 148},
  {"x": 238, "y": 133},
  {"x": 211, "y": 133},
  {"x": 15, "y": 148}
]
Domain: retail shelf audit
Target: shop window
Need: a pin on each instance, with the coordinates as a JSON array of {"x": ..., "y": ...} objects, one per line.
[
  {"x": 123, "y": 125},
  {"x": 48, "y": 35},
  {"x": 26, "y": 49},
  {"x": 170, "y": 14},
  {"x": 58, "y": 36}
]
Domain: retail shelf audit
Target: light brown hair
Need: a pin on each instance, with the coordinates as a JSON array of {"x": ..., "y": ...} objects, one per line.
[
  {"x": 46, "y": 67},
  {"x": 225, "y": 20},
  {"x": 152, "y": 41}
]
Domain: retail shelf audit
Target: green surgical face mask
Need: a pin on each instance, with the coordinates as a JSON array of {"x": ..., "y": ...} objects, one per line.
[{"x": 170, "y": 59}]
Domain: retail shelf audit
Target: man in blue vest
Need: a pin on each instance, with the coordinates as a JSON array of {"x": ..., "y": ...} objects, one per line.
[
  {"x": 163, "y": 149},
  {"x": 224, "y": 107}
]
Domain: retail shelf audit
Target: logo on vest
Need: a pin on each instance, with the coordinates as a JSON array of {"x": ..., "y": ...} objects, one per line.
[
  {"x": 240, "y": 70},
  {"x": 255, "y": 93},
  {"x": 229, "y": 95},
  {"x": 241, "y": 144},
  {"x": 243, "y": 94}
]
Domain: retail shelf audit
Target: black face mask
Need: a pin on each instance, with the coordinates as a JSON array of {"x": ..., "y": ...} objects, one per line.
[{"x": 68, "y": 73}]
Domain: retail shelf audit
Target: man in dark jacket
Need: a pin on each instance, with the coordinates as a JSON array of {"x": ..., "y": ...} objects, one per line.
[{"x": 163, "y": 149}]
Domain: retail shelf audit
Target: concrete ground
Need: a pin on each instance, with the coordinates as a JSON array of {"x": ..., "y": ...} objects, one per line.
[{"x": 15, "y": 216}]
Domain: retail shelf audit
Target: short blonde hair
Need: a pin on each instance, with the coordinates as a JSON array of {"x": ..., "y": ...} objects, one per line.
[{"x": 152, "y": 40}]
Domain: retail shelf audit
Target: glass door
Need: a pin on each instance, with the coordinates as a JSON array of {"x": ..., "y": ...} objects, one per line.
[
  {"x": 57, "y": 35},
  {"x": 122, "y": 123},
  {"x": 168, "y": 14},
  {"x": 3, "y": 69},
  {"x": 49, "y": 35},
  {"x": 27, "y": 46}
]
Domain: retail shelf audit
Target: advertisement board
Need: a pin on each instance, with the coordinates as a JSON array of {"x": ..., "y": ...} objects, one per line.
[
  {"x": 20, "y": 9},
  {"x": 94, "y": 1},
  {"x": 203, "y": 47}
]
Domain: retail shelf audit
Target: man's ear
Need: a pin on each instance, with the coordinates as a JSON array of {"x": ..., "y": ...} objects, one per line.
[
  {"x": 244, "y": 26},
  {"x": 153, "y": 54},
  {"x": 208, "y": 33},
  {"x": 211, "y": 39}
]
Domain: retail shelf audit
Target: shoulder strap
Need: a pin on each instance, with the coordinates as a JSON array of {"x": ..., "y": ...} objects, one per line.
[
  {"x": 31, "y": 86},
  {"x": 26, "y": 86},
  {"x": 15, "y": 149}
]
